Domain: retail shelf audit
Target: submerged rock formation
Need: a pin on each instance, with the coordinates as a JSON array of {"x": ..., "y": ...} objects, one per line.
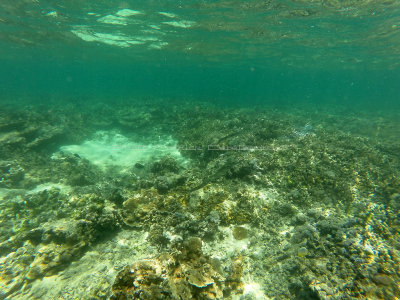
[{"x": 186, "y": 274}]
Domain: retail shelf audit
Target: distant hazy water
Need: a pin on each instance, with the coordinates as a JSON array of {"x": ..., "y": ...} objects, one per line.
[{"x": 62, "y": 79}]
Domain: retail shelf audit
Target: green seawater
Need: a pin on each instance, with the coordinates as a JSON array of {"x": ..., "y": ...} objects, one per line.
[
  {"x": 284, "y": 51},
  {"x": 254, "y": 144}
]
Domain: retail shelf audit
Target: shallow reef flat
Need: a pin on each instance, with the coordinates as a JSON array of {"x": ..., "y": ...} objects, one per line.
[{"x": 193, "y": 200}]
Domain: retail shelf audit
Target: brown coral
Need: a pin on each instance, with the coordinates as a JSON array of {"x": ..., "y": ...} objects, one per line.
[{"x": 187, "y": 275}]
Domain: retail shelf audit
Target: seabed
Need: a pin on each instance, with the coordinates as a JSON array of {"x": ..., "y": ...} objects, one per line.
[{"x": 198, "y": 201}]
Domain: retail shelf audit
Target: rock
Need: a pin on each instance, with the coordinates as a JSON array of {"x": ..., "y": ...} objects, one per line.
[
  {"x": 167, "y": 164},
  {"x": 11, "y": 174},
  {"x": 188, "y": 275},
  {"x": 139, "y": 165},
  {"x": 239, "y": 232},
  {"x": 382, "y": 279},
  {"x": 302, "y": 252}
]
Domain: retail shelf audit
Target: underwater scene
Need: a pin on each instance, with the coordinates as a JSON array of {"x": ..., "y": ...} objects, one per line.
[{"x": 200, "y": 149}]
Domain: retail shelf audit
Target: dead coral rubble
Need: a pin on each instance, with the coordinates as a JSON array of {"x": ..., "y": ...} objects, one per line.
[{"x": 187, "y": 274}]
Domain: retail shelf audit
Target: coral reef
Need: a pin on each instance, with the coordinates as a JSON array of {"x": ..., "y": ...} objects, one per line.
[
  {"x": 187, "y": 274},
  {"x": 261, "y": 204}
]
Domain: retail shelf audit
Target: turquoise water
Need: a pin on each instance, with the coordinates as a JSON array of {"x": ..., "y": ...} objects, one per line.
[
  {"x": 182, "y": 79},
  {"x": 200, "y": 149},
  {"x": 264, "y": 50}
]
